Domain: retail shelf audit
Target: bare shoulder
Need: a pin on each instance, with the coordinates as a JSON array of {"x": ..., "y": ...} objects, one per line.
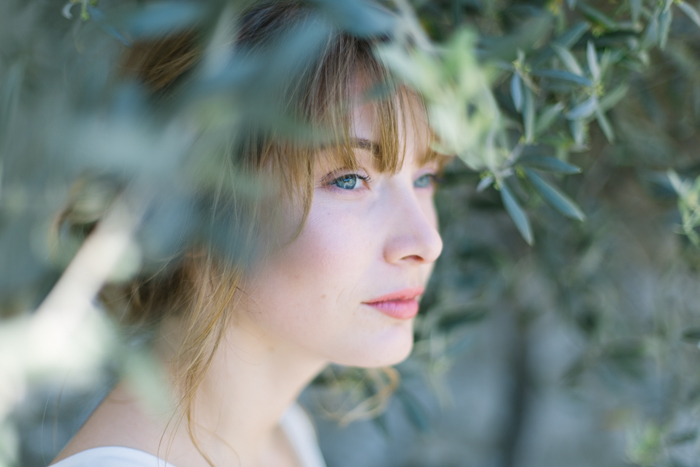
[{"x": 117, "y": 421}]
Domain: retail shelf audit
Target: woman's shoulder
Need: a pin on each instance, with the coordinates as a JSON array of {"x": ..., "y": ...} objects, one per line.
[
  {"x": 112, "y": 456},
  {"x": 295, "y": 423}
]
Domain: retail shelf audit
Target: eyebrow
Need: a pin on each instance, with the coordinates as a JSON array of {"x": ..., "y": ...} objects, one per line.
[
  {"x": 374, "y": 148},
  {"x": 365, "y": 144},
  {"x": 360, "y": 143}
]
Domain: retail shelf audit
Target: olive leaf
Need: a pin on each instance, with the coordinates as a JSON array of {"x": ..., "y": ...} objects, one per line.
[
  {"x": 516, "y": 213},
  {"x": 554, "y": 197}
]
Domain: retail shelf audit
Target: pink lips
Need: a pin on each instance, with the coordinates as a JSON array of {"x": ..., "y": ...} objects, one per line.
[{"x": 401, "y": 305}]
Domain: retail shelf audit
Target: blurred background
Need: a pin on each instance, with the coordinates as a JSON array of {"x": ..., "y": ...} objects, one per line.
[{"x": 562, "y": 323}]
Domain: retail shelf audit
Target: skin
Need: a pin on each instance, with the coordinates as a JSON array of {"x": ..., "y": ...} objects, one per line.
[{"x": 300, "y": 310}]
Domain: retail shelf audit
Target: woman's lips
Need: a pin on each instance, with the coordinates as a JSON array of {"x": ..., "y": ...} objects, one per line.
[
  {"x": 400, "y": 309},
  {"x": 401, "y": 305}
]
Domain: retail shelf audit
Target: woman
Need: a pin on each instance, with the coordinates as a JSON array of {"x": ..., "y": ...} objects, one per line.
[{"x": 339, "y": 281}]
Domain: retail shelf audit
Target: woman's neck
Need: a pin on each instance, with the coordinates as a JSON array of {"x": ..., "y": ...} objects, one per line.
[{"x": 252, "y": 380}]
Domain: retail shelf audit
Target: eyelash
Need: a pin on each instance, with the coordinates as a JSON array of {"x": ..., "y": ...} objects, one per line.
[
  {"x": 434, "y": 180},
  {"x": 366, "y": 179}
]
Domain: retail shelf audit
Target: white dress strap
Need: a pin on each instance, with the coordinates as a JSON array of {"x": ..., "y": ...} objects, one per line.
[
  {"x": 301, "y": 434},
  {"x": 112, "y": 456}
]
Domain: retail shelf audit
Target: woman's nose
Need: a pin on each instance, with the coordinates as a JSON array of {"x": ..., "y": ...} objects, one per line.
[{"x": 413, "y": 236}]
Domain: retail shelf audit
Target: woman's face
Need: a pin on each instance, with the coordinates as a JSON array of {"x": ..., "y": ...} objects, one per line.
[{"x": 346, "y": 288}]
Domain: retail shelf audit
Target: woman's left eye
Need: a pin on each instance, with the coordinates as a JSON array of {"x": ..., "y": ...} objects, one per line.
[{"x": 425, "y": 181}]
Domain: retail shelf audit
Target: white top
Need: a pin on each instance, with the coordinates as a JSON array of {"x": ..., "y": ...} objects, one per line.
[{"x": 295, "y": 423}]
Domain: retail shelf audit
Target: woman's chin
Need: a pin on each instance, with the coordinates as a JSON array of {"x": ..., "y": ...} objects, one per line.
[
  {"x": 389, "y": 349},
  {"x": 395, "y": 358}
]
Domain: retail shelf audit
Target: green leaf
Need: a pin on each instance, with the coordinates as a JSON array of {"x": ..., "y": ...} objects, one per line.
[
  {"x": 548, "y": 164},
  {"x": 583, "y": 110},
  {"x": 635, "y": 10},
  {"x": 563, "y": 75},
  {"x": 691, "y": 334},
  {"x": 651, "y": 34},
  {"x": 9, "y": 443},
  {"x": 605, "y": 125},
  {"x": 568, "y": 59},
  {"x": 566, "y": 40},
  {"x": 691, "y": 12},
  {"x": 9, "y": 100},
  {"x": 610, "y": 99},
  {"x": 592, "y": 61},
  {"x": 158, "y": 19},
  {"x": 554, "y": 197},
  {"x": 577, "y": 131},
  {"x": 66, "y": 10},
  {"x": 572, "y": 36},
  {"x": 516, "y": 213},
  {"x": 381, "y": 90},
  {"x": 456, "y": 319},
  {"x": 529, "y": 115},
  {"x": 664, "y": 26},
  {"x": 625, "y": 350},
  {"x": 414, "y": 70},
  {"x": 484, "y": 183},
  {"x": 502, "y": 65},
  {"x": 516, "y": 91},
  {"x": 361, "y": 17},
  {"x": 597, "y": 16},
  {"x": 612, "y": 57},
  {"x": 625, "y": 358},
  {"x": 547, "y": 117},
  {"x": 683, "y": 437}
]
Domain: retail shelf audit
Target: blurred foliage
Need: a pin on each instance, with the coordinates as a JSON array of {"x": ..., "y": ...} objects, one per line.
[{"x": 557, "y": 111}]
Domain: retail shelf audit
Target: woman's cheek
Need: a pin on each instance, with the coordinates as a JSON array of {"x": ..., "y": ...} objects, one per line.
[
  {"x": 317, "y": 272},
  {"x": 335, "y": 240}
]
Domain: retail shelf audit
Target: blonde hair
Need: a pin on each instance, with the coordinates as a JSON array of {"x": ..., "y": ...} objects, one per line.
[{"x": 199, "y": 288}]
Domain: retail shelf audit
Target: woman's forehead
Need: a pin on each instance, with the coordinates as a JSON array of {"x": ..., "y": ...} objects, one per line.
[
  {"x": 412, "y": 134},
  {"x": 409, "y": 109},
  {"x": 376, "y": 133}
]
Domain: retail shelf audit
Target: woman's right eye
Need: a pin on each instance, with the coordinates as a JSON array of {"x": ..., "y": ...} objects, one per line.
[{"x": 350, "y": 182}]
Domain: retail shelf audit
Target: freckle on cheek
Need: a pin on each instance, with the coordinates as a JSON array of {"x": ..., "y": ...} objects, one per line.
[{"x": 323, "y": 296}]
